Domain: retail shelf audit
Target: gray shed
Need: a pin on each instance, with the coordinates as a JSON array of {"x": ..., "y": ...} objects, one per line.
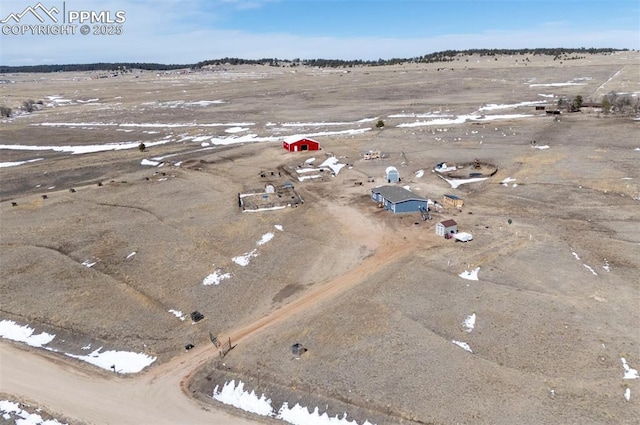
[{"x": 393, "y": 176}]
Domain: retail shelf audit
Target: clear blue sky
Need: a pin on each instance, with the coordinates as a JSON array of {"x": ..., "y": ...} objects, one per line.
[{"x": 187, "y": 31}]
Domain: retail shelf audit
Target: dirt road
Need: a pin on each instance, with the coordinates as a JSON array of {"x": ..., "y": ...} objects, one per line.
[
  {"x": 158, "y": 396},
  {"x": 60, "y": 387}
]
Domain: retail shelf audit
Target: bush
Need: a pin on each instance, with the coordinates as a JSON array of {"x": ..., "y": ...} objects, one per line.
[
  {"x": 380, "y": 124},
  {"x": 624, "y": 104},
  {"x": 5, "y": 111},
  {"x": 142, "y": 147},
  {"x": 29, "y": 105}
]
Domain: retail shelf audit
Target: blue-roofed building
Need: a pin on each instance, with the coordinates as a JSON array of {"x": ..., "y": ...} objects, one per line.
[{"x": 398, "y": 199}]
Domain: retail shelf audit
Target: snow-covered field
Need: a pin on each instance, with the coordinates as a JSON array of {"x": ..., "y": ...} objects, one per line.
[{"x": 230, "y": 131}]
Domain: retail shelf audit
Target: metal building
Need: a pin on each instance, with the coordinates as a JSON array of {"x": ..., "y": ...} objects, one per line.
[
  {"x": 398, "y": 199},
  {"x": 296, "y": 145}
]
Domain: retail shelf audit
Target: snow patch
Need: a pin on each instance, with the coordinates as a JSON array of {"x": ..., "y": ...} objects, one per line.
[
  {"x": 462, "y": 345},
  {"x": 333, "y": 164},
  {"x": 178, "y": 314},
  {"x": 236, "y": 396},
  {"x": 10, "y": 410},
  {"x": 216, "y": 277},
  {"x": 470, "y": 322},
  {"x": 244, "y": 259},
  {"x": 11, "y": 330},
  {"x": 265, "y": 238},
  {"x": 236, "y": 129},
  {"x": 124, "y": 361},
  {"x": 590, "y": 269},
  {"x": 16, "y": 163},
  {"x": 457, "y": 182},
  {"x": 493, "y": 106},
  {"x": 470, "y": 275},
  {"x": 629, "y": 372}
]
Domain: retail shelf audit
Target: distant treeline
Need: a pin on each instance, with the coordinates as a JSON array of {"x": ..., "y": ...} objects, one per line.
[
  {"x": 102, "y": 66},
  {"x": 444, "y": 56}
]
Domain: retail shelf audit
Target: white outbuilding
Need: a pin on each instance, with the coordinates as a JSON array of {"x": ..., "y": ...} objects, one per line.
[{"x": 393, "y": 176}]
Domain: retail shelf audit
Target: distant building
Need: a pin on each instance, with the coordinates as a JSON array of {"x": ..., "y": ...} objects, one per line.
[
  {"x": 296, "y": 145},
  {"x": 393, "y": 176},
  {"x": 452, "y": 201},
  {"x": 447, "y": 228},
  {"x": 371, "y": 155},
  {"x": 398, "y": 199}
]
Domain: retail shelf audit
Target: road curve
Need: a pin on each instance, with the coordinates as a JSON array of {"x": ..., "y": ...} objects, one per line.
[{"x": 158, "y": 396}]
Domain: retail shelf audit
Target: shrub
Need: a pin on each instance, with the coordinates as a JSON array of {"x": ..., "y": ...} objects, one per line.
[
  {"x": 5, "y": 111},
  {"x": 624, "y": 104},
  {"x": 29, "y": 105},
  {"x": 380, "y": 124}
]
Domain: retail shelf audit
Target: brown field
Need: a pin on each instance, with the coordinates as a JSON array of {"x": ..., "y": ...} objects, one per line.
[{"x": 376, "y": 298}]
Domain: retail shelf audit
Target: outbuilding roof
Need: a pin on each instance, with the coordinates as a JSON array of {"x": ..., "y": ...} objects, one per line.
[
  {"x": 397, "y": 194},
  {"x": 449, "y": 223},
  {"x": 294, "y": 139}
]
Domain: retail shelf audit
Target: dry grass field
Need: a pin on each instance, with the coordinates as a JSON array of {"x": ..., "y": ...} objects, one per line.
[{"x": 556, "y": 234}]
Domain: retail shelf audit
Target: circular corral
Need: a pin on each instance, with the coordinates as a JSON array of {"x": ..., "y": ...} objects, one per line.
[{"x": 466, "y": 170}]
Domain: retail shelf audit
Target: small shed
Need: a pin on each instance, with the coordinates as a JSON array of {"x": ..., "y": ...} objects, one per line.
[
  {"x": 296, "y": 145},
  {"x": 398, "y": 199},
  {"x": 196, "y": 316},
  {"x": 452, "y": 201},
  {"x": 298, "y": 349},
  {"x": 447, "y": 228},
  {"x": 393, "y": 176}
]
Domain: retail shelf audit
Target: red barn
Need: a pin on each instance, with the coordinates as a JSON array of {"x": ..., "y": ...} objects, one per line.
[{"x": 296, "y": 145}]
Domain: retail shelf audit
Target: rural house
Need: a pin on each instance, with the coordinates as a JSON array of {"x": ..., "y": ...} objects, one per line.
[
  {"x": 398, "y": 199},
  {"x": 393, "y": 176},
  {"x": 447, "y": 228},
  {"x": 296, "y": 145}
]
